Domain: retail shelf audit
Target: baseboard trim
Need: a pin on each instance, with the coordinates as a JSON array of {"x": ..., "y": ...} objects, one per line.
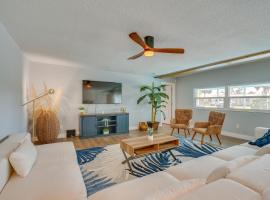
[
  {"x": 62, "y": 135},
  {"x": 237, "y": 135},
  {"x": 132, "y": 128}
]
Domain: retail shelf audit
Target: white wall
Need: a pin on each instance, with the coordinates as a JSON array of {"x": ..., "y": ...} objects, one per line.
[
  {"x": 255, "y": 72},
  {"x": 11, "y": 91},
  {"x": 68, "y": 83}
]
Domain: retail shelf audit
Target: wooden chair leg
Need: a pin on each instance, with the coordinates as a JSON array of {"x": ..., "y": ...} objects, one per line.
[
  {"x": 218, "y": 139},
  {"x": 202, "y": 140},
  {"x": 188, "y": 131},
  {"x": 172, "y": 131},
  {"x": 210, "y": 137},
  {"x": 194, "y": 135},
  {"x": 185, "y": 133},
  {"x": 178, "y": 130}
]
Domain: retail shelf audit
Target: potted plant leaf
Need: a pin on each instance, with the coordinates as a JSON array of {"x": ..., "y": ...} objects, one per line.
[{"x": 157, "y": 98}]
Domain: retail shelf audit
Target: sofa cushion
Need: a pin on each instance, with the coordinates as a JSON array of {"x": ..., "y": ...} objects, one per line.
[
  {"x": 52, "y": 177},
  {"x": 234, "y": 152},
  {"x": 255, "y": 175},
  {"x": 190, "y": 169},
  {"x": 11, "y": 143},
  {"x": 23, "y": 158},
  {"x": 5, "y": 171},
  {"x": 223, "y": 189},
  {"x": 225, "y": 169},
  {"x": 246, "y": 144},
  {"x": 260, "y": 131},
  {"x": 176, "y": 190},
  {"x": 264, "y": 150},
  {"x": 266, "y": 194},
  {"x": 138, "y": 188}
]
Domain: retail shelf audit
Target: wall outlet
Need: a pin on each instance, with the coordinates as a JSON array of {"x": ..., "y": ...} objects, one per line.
[{"x": 237, "y": 126}]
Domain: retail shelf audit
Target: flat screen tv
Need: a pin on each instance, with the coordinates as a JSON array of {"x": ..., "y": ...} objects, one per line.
[{"x": 99, "y": 92}]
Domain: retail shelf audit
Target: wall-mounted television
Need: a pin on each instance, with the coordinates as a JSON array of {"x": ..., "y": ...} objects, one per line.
[{"x": 100, "y": 92}]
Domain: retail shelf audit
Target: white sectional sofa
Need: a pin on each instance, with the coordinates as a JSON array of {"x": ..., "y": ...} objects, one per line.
[
  {"x": 250, "y": 181},
  {"x": 55, "y": 175}
]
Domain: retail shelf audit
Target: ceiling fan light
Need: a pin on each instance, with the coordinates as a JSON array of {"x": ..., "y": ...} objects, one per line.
[{"x": 148, "y": 53}]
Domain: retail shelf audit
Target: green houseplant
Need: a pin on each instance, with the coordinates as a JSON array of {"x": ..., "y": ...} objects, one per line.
[{"x": 157, "y": 98}]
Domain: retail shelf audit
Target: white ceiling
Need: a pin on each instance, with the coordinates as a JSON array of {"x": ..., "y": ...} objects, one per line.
[{"x": 94, "y": 33}]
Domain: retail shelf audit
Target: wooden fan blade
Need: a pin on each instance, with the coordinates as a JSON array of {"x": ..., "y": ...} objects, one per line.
[
  {"x": 136, "y": 56},
  {"x": 136, "y": 38},
  {"x": 168, "y": 50}
]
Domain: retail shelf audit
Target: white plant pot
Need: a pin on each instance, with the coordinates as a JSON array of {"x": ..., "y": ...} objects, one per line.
[{"x": 150, "y": 137}]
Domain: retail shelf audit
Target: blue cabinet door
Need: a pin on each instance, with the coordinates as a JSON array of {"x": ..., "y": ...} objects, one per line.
[
  {"x": 122, "y": 123},
  {"x": 88, "y": 126}
]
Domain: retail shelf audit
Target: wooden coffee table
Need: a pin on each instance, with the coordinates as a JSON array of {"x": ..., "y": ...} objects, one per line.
[{"x": 141, "y": 146}]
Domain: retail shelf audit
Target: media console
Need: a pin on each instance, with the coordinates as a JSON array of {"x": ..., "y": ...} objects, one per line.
[{"x": 93, "y": 125}]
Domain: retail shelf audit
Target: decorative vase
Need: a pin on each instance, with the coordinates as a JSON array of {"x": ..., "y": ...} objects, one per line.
[
  {"x": 150, "y": 137},
  {"x": 106, "y": 131},
  {"x": 150, "y": 134},
  {"x": 143, "y": 126},
  {"x": 47, "y": 126}
]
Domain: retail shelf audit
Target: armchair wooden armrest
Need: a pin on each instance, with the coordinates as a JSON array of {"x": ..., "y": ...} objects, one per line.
[
  {"x": 201, "y": 124},
  {"x": 214, "y": 129}
]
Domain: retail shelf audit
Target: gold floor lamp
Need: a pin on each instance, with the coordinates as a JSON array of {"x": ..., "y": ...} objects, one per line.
[{"x": 49, "y": 92}]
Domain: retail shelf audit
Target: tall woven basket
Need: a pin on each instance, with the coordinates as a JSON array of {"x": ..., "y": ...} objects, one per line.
[{"x": 47, "y": 126}]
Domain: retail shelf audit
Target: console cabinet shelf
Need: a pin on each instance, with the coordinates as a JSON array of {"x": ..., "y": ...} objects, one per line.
[{"x": 93, "y": 125}]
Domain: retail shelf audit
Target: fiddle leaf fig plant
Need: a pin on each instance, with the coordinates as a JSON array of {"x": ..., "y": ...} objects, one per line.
[{"x": 156, "y": 97}]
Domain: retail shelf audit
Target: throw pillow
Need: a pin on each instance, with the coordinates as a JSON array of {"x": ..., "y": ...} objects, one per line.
[
  {"x": 262, "y": 141},
  {"x": 176, "y": 190},
  {"x": 225, "y": 169},
  {"x": 23, "y": 158}
]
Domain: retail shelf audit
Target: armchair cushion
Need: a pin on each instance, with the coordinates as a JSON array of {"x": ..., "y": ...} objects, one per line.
[
  {"x": 201, "y": 124},
  {"x": 214, "y": 129},
  {"x": 200, "y": 130},
  {"x": 181, "y": 126}
]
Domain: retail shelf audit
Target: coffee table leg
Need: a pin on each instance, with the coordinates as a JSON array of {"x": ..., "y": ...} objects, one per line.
[
  {"x": 172, "y": 155},
  {"x": 127, "y": 160}
]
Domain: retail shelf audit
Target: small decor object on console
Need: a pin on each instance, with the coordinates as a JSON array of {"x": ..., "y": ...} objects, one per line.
[
  {"x": 143, "y": 126},
  {"x": 82, "y": 110},
  {"x": 150, "y": 134},
  {"x": 106, "y": 131},
  {"x": 123, "y": 109}
]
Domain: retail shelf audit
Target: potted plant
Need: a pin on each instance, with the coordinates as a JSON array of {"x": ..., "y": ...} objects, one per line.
[
  {"x": 157, "y": 98},
  {"x": 82, "y": 110}
]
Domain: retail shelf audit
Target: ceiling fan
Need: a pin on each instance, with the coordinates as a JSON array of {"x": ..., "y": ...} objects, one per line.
[{"x": 148, "y": 46}]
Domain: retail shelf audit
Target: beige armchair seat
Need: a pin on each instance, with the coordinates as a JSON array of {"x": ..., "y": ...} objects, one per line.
[
  {"x": 182, "y": 120},
  {"x": 212, "y": 127}
]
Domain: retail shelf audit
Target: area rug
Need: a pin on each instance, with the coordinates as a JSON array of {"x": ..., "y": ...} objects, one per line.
[{"x": 102, "y": 167}]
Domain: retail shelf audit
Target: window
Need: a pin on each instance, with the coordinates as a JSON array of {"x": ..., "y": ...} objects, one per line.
[
  {"x": 210, "y": 97},
  {"x": 250, "y": 97}
]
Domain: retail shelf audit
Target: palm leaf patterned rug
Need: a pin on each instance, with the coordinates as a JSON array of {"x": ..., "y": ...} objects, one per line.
[{"x": 102, "y": 167}]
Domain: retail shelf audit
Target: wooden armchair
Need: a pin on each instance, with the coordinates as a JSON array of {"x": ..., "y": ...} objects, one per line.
[
  {"x": 182, "y": 120},
  {"x": 212, "y": 127}
]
